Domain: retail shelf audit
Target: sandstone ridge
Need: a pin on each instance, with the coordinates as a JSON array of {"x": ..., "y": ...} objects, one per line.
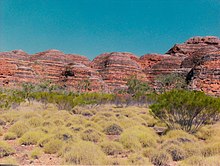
[{"x": 198, "y": 59}]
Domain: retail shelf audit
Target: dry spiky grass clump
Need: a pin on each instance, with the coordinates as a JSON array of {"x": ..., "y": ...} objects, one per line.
[
  {"x": 138, "y": 159},
  {"x": 36, "y": 153},
  {"x": 92, "y": 135},
  {"x": 19, "y": 128},
  {"x": 10, "y": 136},
  {"x": 113, "y": 129},
  {"x": 5, "y": 149},
  {"x": 53, "y": 146},
  {"x": 138, "y": 137},
  {"x": 30, "y": 138},
  {"x": 85, "y": 153},
  {"x": 201, "y": 161},
  {"x": 111, "y": 147},
  {"x": 106, "y": 136},
  {"x": 160, "y": 158},
  {"x": 179, "y": 135}
]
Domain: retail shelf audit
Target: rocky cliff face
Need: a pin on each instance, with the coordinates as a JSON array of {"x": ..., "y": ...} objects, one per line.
[
  {"x": 115, "y": 68},
  {"x": 198, "y": 59}
]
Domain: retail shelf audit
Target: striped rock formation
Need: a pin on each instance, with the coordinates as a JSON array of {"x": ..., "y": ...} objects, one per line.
[{"x": 198, "y": 59}]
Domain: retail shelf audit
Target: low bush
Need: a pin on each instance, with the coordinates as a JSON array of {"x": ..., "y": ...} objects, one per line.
[
  {"x": 160, "y": 158},
  {"x": 211, "y": 149},
  {"x": 2, "y": 122},
  {"x": 186, "y": 110},
  {"x": 63, "y": 134},
  {"x": 10, "y": 136},
  {"x": 11, "y": 116},
  {"x": 118, "y": 161},
  {"x": 19, "y": 128},
  {"x": 85, "y": 153},
  {"x": 150, "y": 120},
  {"x": 201, "y": 161},
  {"x": 30, "y": 138},
  {"x": 136, "y": 137},
  {"x": 92, "y": 135},
  {"x": 180, "y": 135},
  {"x": 113, "y": 129},
  {"x": 44, "y": 139},
  {"x": 177, "y": 152},
  {"x": 138, "y": 159},
  {"x": 1, "y": 131},
  {"x": 193, "y": 160},
  {"x": 93, "y": 125},
  {"x": 130, "y": 141},
  {"x": 35, "y": 122},
  {"x": 5, "y": 149},
  {"x": 9, "y": 160},
  {"x": 111, "y": 148},
  {"x": 36, "y": 153},
  {"x": 53, "y": 146},
  {"x": 193, "y": 148}
]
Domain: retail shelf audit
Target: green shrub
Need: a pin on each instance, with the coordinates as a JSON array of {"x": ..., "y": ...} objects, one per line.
[
  {"x": 92, "y": 98},
  {"x": 5, "y": 149},
  {"x": 186, "y": 110},
  {"x": 92, "y": 135},
  {"x": 111, "y": 148},
  {"x": 36, "y": 153},
  {"x": 137, "y": 88},
  {"x": 30, "y": 138},
  {"x": 85, "y": 153},
  {"x": 113, "y": 129},
  {"x": 10, "y": 136},
  {"x": 170, "y": 81},
  {"x": 53, "y": 146},
  {"x": 19, "y": 128}
]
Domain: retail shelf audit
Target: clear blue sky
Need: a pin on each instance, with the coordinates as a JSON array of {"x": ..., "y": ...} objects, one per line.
[{"x": 92, "y": 27}]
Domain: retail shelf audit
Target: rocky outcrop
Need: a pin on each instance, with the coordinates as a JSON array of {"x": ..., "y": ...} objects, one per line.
[
  {"x": 205, "y": 75},
  {"x": 197, "y": 59},
  {"x": 193, "y": 45},
  {"x": 157, "y": 64},
  {"x": 116, "y": 67}
]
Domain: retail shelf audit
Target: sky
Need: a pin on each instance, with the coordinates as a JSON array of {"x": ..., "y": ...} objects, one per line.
[{"x": 92, "y": 27}]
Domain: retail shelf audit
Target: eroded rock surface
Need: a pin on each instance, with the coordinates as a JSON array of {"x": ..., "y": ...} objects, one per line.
[{"x": 197, "y": 59}]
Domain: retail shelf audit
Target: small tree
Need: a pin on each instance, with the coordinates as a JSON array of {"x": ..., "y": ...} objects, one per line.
[
  {"x": 136, "y": 87},
  {"x": 27, "y": 89},
  {"x": 187, "y": 110},
  {"x": 170, "y": 81}
]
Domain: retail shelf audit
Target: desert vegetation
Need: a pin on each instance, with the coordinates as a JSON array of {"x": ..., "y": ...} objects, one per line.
[{"x": 45, "y": 124}]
